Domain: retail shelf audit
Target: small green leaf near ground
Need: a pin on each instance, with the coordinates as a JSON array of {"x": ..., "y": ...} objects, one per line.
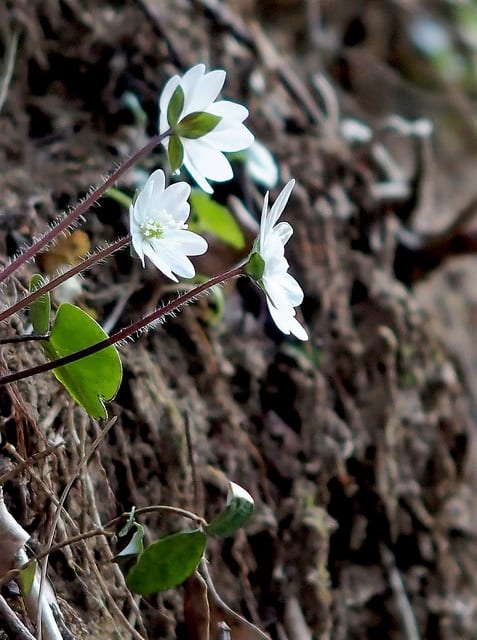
[
  {"x": 167, "y": 562},
  {"x": 90, "y": 380}
]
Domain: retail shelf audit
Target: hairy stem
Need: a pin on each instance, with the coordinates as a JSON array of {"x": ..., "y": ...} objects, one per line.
[
  {"x": 62, "y": 277},
  {"x": 81, "y": 208},
  {"x": 126, "y": 332}
]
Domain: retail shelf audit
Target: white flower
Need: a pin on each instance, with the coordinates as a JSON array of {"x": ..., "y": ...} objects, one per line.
[
  {"x": 202, "y": 129},
  {"x": 158, "y": 229},
  {"x": 270, "y": 269}
]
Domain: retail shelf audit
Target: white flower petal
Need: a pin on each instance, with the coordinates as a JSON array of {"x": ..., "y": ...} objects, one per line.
[
  {"x": 157, "y": 220},
  {"x": 282, "y": 290},
  {"x": 142, "y": 203},
  {"x": 273, "y": 252},
  {"x": 209, "y": 162},
  {"x": 138, "y": 248},
  {"x": 202, "y": 156},
  {"x": 158, "y": 261},
  {"x": 284, "y": 231},
  {"x": 280, "y": 203},
  {"x": 287, "y": 323},
  {"x": 205, "y": 92},
  {"x": 298, "y": 330},
  {"x": 183, "y": 267},
  {"x": 292, "y": 289},
  {"x": 190, "y": 82},
  {"x": 158, "y": 181},
  {"x": 196, "y": 173},
  {"x": 230, "y": 136},
  {"x": 174, "y": 201},
  {"x": 174, "y": 257},
  {"x": 263, "y": 222},
  {"x": 277, "y": 295},
  {"x": 281, "y": 316},
  {"x": 228, "y": 110},
  {"x": 177, "y": 215},
  {"x": 190, "y": 243}
]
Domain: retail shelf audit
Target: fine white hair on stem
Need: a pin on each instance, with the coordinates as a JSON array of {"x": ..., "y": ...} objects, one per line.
[
  {"x": 97, "y": 250},
  {"x": 75, "y": 224},
  {"x": 66, "y": 233},
  {"x": 101, "y": 253},
  {"x": 125, "y": 341},
  {"x": 172, "y": 313}
]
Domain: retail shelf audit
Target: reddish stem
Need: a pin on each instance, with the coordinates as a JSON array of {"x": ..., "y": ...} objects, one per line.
[
  {"x": 126, "y": 332},
  {"x": 80, "y": 209},
  {"x": 62, "y": 277}
]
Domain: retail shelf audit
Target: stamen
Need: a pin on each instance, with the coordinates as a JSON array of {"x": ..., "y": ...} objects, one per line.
[
  {"x": 151, "y": 229},
  {"x": 156, "y": 226}
]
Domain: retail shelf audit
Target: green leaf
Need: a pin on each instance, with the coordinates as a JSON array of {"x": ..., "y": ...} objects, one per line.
[
  {"x": 94, "y": 378},
  {"x": 175, "y": 151},
  {"x": 197, "y": 124},
  {"x": 167, "y": 562},
  {"x": 212, "y": 217},
  {"x": 26, "y": 576},
  {"x": 41, "y": 307},
  {"x": 174, "y": 108},
  {"x": 237, "y": 511},
  {"x": 255, "y": 267}
]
